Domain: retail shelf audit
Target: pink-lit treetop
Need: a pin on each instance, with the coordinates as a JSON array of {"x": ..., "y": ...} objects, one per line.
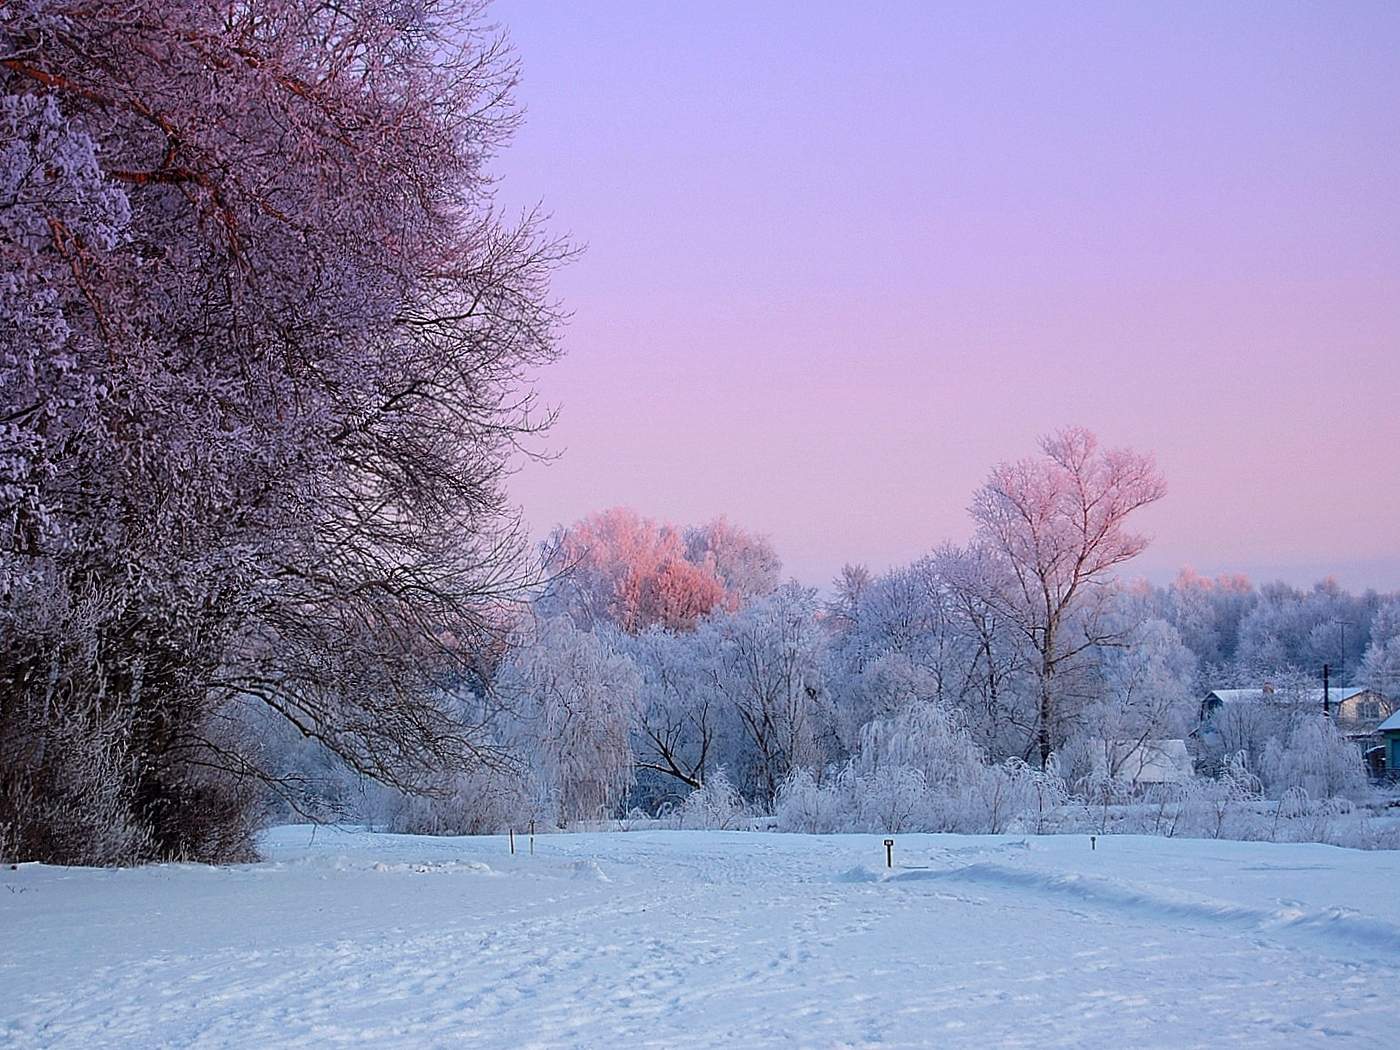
[{"x": 633, "y": 572}]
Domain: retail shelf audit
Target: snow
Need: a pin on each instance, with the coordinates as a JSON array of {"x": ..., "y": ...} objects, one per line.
[
  {"x": 1145, "y": 761},
  {"x": 1393, "y": 722},
  {"x": 708, "y": 939}
]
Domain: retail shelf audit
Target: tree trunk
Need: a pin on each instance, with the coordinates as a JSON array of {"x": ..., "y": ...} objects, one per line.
[{"x": 1047, "y": 699}]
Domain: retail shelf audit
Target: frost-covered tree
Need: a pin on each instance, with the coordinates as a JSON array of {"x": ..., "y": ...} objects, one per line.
[
  {"x": 574, "y": 701},
  {"x": 1299, "y": 630},
  {"x": 925, "y": 737},
  {"x": 932, "y": 620},
  {"x": 884, "y": 686},
  {"x": 768, "y": 666},
  {"x": 263, "y": 348},
  {"x": 1380, "y": 669},
  {"x": 919, "y": 770},
  {"x": 49, "y": 181},
  {"x": 1206, "y": 612},
  {"x": 716, "y": 806},
  {"x": 1248, "y": 636},
  {"x": 1385, "y": 624},
  {"x": 848, "y": 589},
  {"x": 681, "y": 708},
  {"x": 1147, "y": 691},
  {"x": 907, "y": 623},
  {"x": 617, "y": 567},
  {"x": 904, "y": 611},
  {"x": 1060, "y": 523},
  {"x": 1314, "y": 758},
  {"x": 994, "y": 692},
  {"x": 746, "y": 564}
]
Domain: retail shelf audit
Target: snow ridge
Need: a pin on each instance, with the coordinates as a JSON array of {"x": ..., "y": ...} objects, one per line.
[{"x": 1346, "y": 925}]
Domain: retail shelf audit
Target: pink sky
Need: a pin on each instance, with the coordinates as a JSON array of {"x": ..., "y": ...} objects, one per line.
[{"x": 841, "y": 259}]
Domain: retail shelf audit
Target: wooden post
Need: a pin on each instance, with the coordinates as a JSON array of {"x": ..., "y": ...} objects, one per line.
[
  {"x": 532, "y": 838},
  {"x": 889, "y": 853},
  {"x": 511, "y": 833}
]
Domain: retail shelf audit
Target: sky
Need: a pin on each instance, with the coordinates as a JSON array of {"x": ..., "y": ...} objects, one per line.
[{"x": 839, "y": 259}]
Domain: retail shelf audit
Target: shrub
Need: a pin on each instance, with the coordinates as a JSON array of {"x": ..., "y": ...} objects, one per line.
[
  {"x": 716, "y": 806},
  {"x": 485, "y": 802}
]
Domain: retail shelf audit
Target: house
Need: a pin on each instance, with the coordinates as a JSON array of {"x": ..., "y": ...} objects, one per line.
[
  {"x": 1357, "y": 711},
  {"x": 1389, "y": 732},
  {"x": 1361, "y": 712},
  {"x": 1143, "y": 762}
]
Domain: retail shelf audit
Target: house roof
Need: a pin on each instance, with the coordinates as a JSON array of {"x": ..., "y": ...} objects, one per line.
[
  {"x": 1391, "y": 724},
  {"x": 1269, "y": 696},
  {"x": 1146, "y": 761}
]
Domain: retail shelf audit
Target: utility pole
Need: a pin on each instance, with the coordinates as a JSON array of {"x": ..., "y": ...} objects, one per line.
[{"x": 1343, "y": 625}]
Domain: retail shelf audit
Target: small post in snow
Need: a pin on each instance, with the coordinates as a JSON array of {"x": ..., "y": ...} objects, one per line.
[
  {"x": 511, "y": 833},
  {"x": 1093, "y": 840},
  {"x": 532, "y": 838},
  {"x": 889, "y": 853}
]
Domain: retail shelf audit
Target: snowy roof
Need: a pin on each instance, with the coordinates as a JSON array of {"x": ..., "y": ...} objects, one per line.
[
  {"x": 1147, "y": 761},
  {"x": 1391, "y": 723},
  {"x": 1257, "y": 696}
]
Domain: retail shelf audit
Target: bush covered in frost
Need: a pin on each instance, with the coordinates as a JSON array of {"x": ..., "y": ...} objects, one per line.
[
  {"x": 715, "y": 806},
  {"x": 919, "y": 770}
]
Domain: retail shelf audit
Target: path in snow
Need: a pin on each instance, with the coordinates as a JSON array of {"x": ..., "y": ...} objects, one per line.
[{"x": 710, "y": 939}]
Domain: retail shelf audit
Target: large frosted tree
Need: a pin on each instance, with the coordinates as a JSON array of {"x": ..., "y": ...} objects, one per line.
[
  {"x": 263, "y": 356},
  {"x": 1059, "y": 523}
]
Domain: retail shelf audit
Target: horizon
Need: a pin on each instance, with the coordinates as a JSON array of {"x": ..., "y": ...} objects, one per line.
[
  {"x": 857, "y": 261},
  {"x": 1303, "y": 578}
]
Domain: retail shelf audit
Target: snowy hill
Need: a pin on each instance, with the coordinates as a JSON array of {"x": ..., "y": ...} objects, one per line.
[{"x": 708, "y": 939}]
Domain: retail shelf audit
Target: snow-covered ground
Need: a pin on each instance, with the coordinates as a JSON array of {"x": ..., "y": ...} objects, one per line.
[{"x": 714, "y": 939}]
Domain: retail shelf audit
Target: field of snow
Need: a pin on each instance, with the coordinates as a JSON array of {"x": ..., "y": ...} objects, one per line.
[{"x": 710, "y": 939}]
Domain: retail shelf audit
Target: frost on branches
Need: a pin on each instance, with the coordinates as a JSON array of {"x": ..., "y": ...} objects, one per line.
[
  {"x": 263, "y": 348},
  {"x": 573, "y": 701},
  {"x": 1058, "y": 525},
  {"x": 617, "y": 567}
]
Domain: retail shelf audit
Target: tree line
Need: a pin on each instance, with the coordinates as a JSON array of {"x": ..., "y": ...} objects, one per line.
[{"x": 659, "y": 658}]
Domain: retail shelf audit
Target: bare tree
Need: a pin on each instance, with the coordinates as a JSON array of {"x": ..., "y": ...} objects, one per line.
[
  {"x": 769, "y": 668},
  {"x": 1059, "y": 523},
  {"x": 992, "y": 686},
  {"x": 680, "y": 706}
]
